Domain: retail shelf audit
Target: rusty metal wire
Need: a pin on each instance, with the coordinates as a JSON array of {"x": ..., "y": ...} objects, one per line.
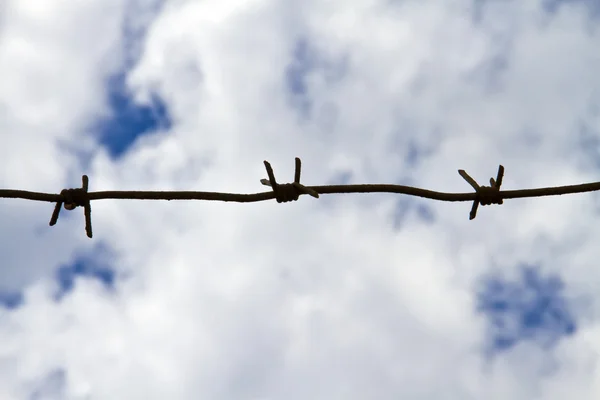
[{"x": 483, "y": 195}]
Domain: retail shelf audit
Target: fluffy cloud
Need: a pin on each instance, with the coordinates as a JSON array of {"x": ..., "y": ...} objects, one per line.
[{"x": 348, "y": 296}]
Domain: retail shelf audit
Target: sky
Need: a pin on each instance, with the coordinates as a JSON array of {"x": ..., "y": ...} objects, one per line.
[{"x": 349, "y": 296}]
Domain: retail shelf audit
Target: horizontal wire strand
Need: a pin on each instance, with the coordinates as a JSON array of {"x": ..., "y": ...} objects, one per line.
[
  {"x": 482, "y": 195},
  {"x": 323, "y": 189}
]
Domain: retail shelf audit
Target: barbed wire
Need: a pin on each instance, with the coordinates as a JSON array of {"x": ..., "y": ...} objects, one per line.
[{"x": 283, "y": 193}]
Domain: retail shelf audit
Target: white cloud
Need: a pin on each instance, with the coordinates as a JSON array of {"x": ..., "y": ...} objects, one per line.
[
  {"x": 320, "y": 298},
  {"x": 53, "y": 60}
]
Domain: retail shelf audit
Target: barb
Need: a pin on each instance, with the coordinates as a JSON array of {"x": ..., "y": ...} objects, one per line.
[
  {"x": 73, "y": 198},
  {"x": 288, "y": 191},
  {"x": 484, "y": 195}
]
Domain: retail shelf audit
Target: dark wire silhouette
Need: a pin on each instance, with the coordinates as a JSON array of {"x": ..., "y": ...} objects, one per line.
[{"x": 484, "y": 195}]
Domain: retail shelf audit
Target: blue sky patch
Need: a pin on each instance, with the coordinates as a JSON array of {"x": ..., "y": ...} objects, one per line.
[
  {"x": 531, "y": 308},
  {"x": 11, "y": 300},
  {"x": 552, "y": 6},
  {"x": 588, "y": 138},
  {"x": 90, "y": 266},
  {"x": 415, "y": 151},
  {"x": 138, "y": 18},
  {"x": 306, "y": 60},
  {"x": 491, "y": 73},
  {"x": 303, "y": 62},
  {"x": 407, "y": 206},
  {"x": 549, "y": 6},
  {"x": 52, "y": 386},
  {"x": 127, "y": 120}
]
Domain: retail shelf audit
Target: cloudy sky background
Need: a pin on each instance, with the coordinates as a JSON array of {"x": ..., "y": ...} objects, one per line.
[{"x": 362, "y": 296}]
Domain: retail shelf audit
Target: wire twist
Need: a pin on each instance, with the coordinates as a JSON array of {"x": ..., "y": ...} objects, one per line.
[
  {"x": 73, "y": 198},
  {"x": 288, "y": 191},
  {"x": 485, "y": 195}
]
